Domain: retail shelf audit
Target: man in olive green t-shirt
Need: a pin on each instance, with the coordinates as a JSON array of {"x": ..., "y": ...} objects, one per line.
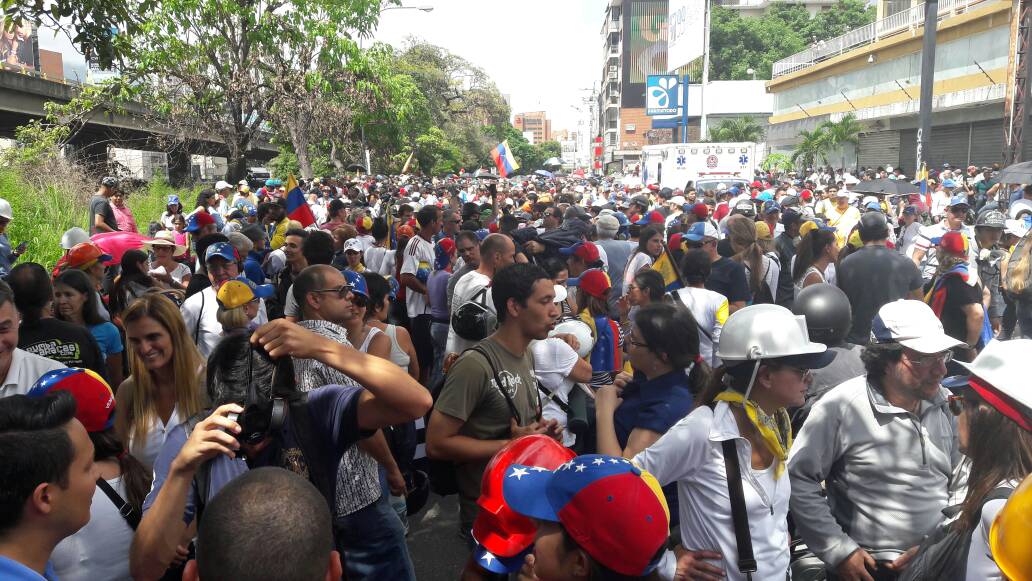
[{"x": 472, "y": 419}]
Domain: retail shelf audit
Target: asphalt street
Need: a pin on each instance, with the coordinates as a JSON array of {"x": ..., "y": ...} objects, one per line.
[{"x": 437, "y": 552}]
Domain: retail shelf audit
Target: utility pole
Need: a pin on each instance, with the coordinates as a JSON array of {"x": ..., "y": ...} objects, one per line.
[
  {"x": 705, "y": 79},
  {"x": 924, "y": 131}
]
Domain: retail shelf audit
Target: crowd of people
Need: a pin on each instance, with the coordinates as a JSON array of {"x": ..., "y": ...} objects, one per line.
[{"x": 767, "y": 379}]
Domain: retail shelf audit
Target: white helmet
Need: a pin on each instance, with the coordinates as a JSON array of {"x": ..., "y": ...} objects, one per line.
[
  {"x": 5, "y": 209},
  {"x": 765, "y": 332},
  {"x": 581, "y": 331},
  {"x": 1002, "y": 365},
  {"x": 73, "y": 236}
]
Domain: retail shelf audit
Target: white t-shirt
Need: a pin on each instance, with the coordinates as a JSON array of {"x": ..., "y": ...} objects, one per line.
[
  {"x": 553, "y": 362},
  {"x": 25, "y": 369},
  {"x": 710, "y": 311},
  {"x": 375, "y": 257},
  {"x": 99, "y": 550},
  {"x": 157, "y": 431},
  {"x": 205, "y": 306},
  {"x": 367, "y": 241},
  {"x": 980, "y": 563},
  {"x": 419, "y": 254},
  {"x": 469, "y": 285},
  {"x": 690, "y": 454}
]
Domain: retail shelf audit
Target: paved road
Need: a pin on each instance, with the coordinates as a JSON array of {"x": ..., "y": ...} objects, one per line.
[{"x": 438, "y": 553}]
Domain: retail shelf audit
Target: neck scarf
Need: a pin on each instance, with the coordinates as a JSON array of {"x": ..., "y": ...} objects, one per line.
[{"x": 775, "y": 429}]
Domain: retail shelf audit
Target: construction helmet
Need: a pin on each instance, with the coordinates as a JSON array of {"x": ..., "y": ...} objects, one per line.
[{"x": 765, "y": 332}]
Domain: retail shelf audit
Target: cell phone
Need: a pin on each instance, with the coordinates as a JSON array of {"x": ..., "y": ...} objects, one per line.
[{"x": 21, "y": 247}]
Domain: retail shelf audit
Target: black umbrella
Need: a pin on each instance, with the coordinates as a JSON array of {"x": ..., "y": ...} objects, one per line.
[
  {"x": 356, "y": 167},
  {"x": 484, "y": 174},
  {"x": 885, "y": 186},
  {"x": 1019, "y": 173}
]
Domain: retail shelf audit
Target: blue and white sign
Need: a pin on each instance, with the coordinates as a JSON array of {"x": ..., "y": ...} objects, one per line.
[{"x": 661, "y": 95}]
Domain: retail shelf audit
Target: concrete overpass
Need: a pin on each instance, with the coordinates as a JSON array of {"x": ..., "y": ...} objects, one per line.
[{"x": 22, "y": 96}]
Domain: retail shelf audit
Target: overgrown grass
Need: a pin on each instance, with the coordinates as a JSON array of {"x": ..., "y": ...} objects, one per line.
[{"x": 46, "y": 205}]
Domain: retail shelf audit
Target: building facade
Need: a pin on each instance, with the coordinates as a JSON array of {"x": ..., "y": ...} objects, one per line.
[
  {"x": 874, "y": 73},
  {"x": 537, "y": 123}
]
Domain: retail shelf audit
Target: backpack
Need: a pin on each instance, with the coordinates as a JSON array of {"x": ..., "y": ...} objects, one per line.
[
  {"x": 944, "y": 553},
  {"x": 1018, "y": 282},
  {"x": 473, "y": 320}
]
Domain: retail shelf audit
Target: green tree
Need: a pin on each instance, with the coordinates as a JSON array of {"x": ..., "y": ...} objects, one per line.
[
  {"x": 436, "y": 154},
  {"x": 777, "y": 163},
  {"x": 739, "y": 43},
  {"x": 812, "y": 148},
  {"x": 218, "y": 61},
  {"x": 737, "y": 130},
  {"x": 844, "y": 131}
]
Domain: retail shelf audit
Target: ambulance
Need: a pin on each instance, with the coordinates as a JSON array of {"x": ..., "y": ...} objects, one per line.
[{"x": 707, "y": 165}]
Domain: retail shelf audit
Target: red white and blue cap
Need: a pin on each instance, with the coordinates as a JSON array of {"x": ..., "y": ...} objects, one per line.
[
  {"x": 912, "y": 324},
  {"x": 612, "y": 509},
  {"x": 495, "y": 564},
  {"x": 94, "y": 400}
]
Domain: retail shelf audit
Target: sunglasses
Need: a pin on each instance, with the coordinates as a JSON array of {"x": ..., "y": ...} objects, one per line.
[
  {"x": 342, "y": 290},
  {"x": 927, "y": 360}
]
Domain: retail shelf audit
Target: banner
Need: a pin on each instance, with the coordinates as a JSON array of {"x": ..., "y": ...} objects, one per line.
[
  {"x": 17, "y": 45},
  {"x": 686, "y": 35}
]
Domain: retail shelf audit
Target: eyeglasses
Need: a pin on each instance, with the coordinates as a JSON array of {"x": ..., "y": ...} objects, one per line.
[
  {"x": 959, "y": 210},
  {"x": 342, "y": 290},
  {"x": 956, "y": 404},
  {"x": 805, "y": 375},
  {"x": 927, "y": 360}
]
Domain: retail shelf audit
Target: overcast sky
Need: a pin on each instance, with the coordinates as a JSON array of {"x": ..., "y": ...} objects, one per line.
[{"x": 540, "y": 52}]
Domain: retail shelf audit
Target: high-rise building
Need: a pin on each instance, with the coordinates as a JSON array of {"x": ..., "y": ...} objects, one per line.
[{"x": 536, "y": 122}]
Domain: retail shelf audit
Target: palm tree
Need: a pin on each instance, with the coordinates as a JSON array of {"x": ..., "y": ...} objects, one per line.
[
  {"x": 737, "y": 130},
  {"x": 847, "y": 130},
  {"x": 777, "y": 164},
  {"x": 812, "y": 148}
]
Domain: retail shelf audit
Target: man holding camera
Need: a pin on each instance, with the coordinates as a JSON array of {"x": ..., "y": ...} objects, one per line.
[{"x": 314, "y": 430}]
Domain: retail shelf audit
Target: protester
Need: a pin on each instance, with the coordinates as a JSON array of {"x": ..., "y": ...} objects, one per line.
[
  {"x": 727, "y": 277},
  {"x": 925, "y": 255},
  {"x": 708, "y": 309},
  {"x": 415, "y": 271},
  {"x": 75, "y": 301},
  {"x": 605, "y": 357},
  {"x": 479, "y": 409},
  {"x": 99, "y": 550},
  {"x": 646, "y": 288},
  {"x": 766, "y": 359},
  {"x": 989, "y": 229},
  {"x": 164, "y": 267},
  {"x": 650, "y": 247},
  {"x": 496, "y": 252},
  {"x": 761, "y": 266},
  {"x": 890, "y": 421},
  {"x": 437, "y": 289},
  {"x": 268, "y": 524},
  {"x": 173, "y": 209},
  {"x": 43, "y": 334},
  {"x": 403, "y": 353},
  {"x": 165, "y": 385},
  {"x": 132, "y": 282},
  {"x": 123, "y": 214},
  {"x": 956, "y": 297},
  {"x": 817, "y": 250},
  {"x": 238, "y": 304},
  {"x": 49, "y": 479},
  {"x": 102, "y": 217}
]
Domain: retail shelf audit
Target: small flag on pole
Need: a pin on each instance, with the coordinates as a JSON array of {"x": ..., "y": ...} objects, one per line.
[
  {"x": 922, "y": 177},
  {"x": 671, "y": 277},
  {"x": 504, "y": 159},
  {"x": 297, "y": 206}
]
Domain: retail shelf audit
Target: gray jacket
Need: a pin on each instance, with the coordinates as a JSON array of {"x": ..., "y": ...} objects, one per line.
[{"x": 886, "y": 472}]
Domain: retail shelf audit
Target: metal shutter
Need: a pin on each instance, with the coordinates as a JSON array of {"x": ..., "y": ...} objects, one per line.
[
  {"x": 949, "y": 144},
  {"x": 908, "y": 151},
  {"x": 986, "y": 143},
  {"x": 879, "y": 149}
]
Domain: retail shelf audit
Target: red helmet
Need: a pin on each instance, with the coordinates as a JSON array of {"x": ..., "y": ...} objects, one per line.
[{"x": 500, "y": 530}]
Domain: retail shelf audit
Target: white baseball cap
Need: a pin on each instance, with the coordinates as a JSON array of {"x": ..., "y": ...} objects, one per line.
[
  {"x": 353, "y": 244},
  {"x": 222, "y": 185},
  {"x": 913, "y": 325},
  {"x": 677, "y": 201}
]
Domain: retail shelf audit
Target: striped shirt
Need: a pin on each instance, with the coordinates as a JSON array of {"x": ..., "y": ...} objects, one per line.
[{"x": 358, "y": 480}]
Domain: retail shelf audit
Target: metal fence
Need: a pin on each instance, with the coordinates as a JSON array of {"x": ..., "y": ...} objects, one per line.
[{"x": 905, "y": 20}]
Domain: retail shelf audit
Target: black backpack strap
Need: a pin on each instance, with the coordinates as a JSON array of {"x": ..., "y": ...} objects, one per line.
[
  {"x": 128, "y": 511},
  {"x": 739, "y": 516},
  {"x": 197, "y": 325},
  {"x": 315, "y": 458},
  {"x": 550, "y": 395},
  {"x": 494, "y": 373},
  {"x": 680, "y": 302}
]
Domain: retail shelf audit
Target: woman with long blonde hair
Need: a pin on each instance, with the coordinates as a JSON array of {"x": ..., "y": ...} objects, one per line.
[
  {"x": 762, "y": 269},
  {"x": 166, "y": 385}
]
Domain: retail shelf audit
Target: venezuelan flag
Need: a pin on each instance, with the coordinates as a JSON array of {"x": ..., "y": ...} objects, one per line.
[
  {"x": 671, "y": 277},
  {"x": 504, "y": 159},
  {"x": 922, "y": 177},
  {"x": 297, "y": 207}
]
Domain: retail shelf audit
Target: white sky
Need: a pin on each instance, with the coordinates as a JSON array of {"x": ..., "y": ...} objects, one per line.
[{"x": 540, "y": 52}]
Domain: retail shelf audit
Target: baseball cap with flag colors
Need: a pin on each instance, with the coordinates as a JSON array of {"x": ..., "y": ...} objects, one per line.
[
  {"x": 94, "y": 400},
  {"x": 242, "y": 290},
  {"x": 913, "y": 325},
  {"x": 615, "y": 511},
  {"x": 586, "y": 251}
]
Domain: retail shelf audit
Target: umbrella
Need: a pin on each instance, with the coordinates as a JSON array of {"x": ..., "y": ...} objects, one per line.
[
  {"x": 356, "y": 167},
  {"x": 1019, "y": 173},
  {"x": 484, "y": 174},
  {"x": 885, "y": 186},
  {"x": 559, "y": 174},
  {"x": 543, "y": 173},
  {"x": 553, "y": 162},
  {"x": 116, "y": 243}
]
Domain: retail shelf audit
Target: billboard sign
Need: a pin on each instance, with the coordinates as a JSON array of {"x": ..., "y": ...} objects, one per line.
[
  {"x": 661, "y": 95},
  {"x": 685, "y": 35},
  {"x": 17, "y": 44}
]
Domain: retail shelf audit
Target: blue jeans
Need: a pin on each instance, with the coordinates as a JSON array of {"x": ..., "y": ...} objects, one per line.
[{"x": 372, "y": 545}]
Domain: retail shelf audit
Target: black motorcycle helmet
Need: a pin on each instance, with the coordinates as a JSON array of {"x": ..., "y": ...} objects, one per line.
[{"x": 827, "y": 311}]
